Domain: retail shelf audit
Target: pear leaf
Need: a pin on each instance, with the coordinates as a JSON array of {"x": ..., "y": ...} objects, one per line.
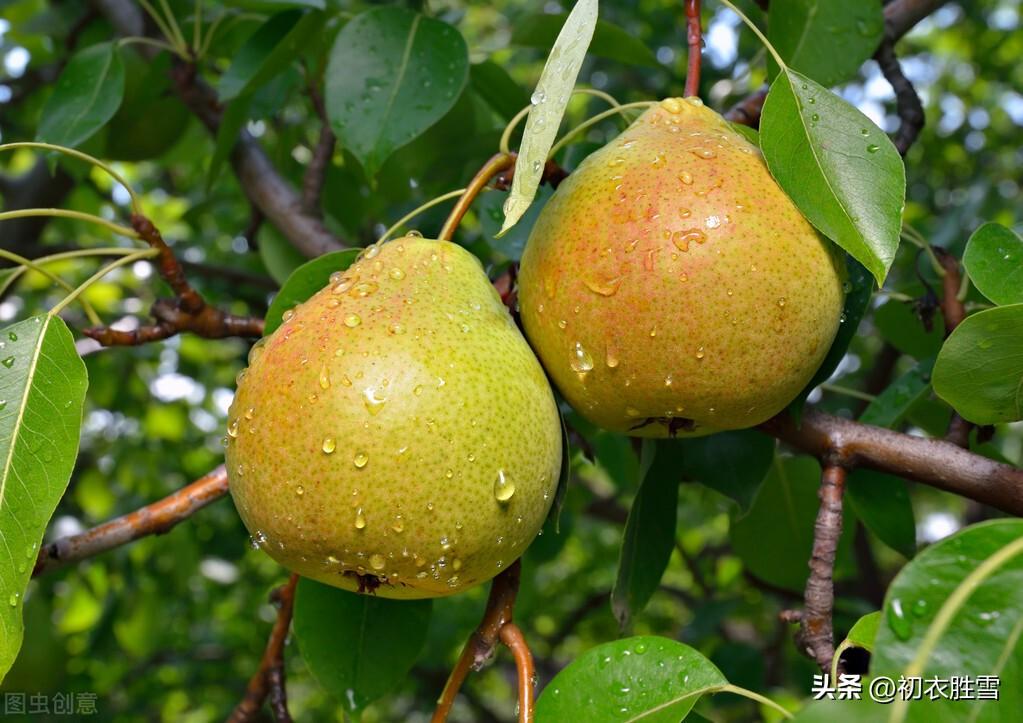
[{"x": 549, "y": 101}]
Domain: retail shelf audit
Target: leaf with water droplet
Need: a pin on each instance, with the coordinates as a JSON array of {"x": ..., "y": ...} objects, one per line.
[
  {"x": 359, "y": 647},
  {"x": 853, "y": 197},
  {"x": 39, "y": 435},
  {"x": 403, "y": 52},
  {"x": 557, "y": 81},
  {"x": 994, "y": 260}
]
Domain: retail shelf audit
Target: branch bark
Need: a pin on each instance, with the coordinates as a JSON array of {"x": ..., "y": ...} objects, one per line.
[
  {"x": 816, "y": 628},
  {"x": 187, "y": 311},
  {"x": 933, "y": 462},
  {"x": 693, "y": 40},
  {"x": 275, "y": 197},
  {"x": 154, "y": 519},
  {"x": 497, "y": 619},
  {"x": 268, "y": 679}
]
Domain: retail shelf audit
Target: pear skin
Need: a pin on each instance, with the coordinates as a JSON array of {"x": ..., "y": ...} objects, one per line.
[
  {"x": 396, "y": 435},
  {"x": 670, "y": 287}
]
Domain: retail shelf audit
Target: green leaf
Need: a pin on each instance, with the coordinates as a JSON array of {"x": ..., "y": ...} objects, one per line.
[
  {"x": 860, "y": 287},
  {"x": 955, "y": 609},
  {"x": 553, "y": 91},
  {"x": 498, "y": 89},
  {"x": 649, "y": 536},
  {"x": 994, "y": 261},
  {"x": 392, "y": 74},
  {"x": 775, "y": 537},
  {"x": 270, "y": 49},
  {"x": 42, "y": 390},
  {"x": 305, "y": 281},
  {"x": 980, "y": 368},
  {"x": 891, "y": 405},
  {"x": 827, "y": 40},
  {"x": 902, "y": 328},
  {"x": 278, "y": 255},
  {"x": 653, "y": 679},
  {"x": 358, "y": 647},
  {"x": 231, "y": 123},
  {"x": 609, "y": 40},
  {"x": 564, "y": 475},
  {"x": 861, "y": 635},
  {"x": 841, "y": 170},
  {"x": 733, "y": 463},
  {"x": 87, "y": 95},
  {"x": 881, "y": 501}
]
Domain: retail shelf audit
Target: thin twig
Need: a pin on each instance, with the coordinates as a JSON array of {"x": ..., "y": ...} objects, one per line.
[
  {"x": 693, "y": 39},
  {"x": 268, "y": 680},
  {"x": 187, "y": 311},
  {"x": 816, "y": 628},
  {"x": 479, "y": 648},
  {"x": 154, "y": 519},
  {"x": 316, "y": 171}
]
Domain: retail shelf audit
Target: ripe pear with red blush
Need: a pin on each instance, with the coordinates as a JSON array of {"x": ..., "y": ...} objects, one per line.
[
  {"x": 671, "y": 287},
  {"x": 396, "y": 434}
]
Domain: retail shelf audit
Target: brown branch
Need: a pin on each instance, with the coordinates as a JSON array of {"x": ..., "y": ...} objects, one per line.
[
  {"x": 907, "y": 102},
  {"x": 154, "y": 519},
  {"x": 262, "y": 183},
  {"x": 816, "y": 633},
  {"x": 932, "y": 462},
  {"x": 268, "y": 680},
  {"x": 187, "y": 311},
  {"x": 693, "y": 38},
  {"x": 747, "y": 111},
  {"x": 954, "y": 311},
  {"x": 479, "y": 648},
  {"x": 515, "y": 641},
  {"x": 316, "y": 171}
]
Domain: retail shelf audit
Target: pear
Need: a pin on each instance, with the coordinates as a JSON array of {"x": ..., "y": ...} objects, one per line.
[
  {"x": 396, "y": 434},
  {"x": 671, "y": 287}
]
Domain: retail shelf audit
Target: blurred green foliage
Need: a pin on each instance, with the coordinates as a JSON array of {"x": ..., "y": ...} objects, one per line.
[{"x": 171, "y": 627}]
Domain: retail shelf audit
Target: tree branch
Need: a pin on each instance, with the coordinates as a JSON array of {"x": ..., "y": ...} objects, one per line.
[
  {"x": 154, "y": 519},
  {"x": 480, "y": 647},
  {"x": 268, "y": 680},
  {"x": 275, "y": 197},
  {"x": 187, "y": 311},
  {"x": 953, "y": 311},
  {"x": 816, "y": 630},
  {"x": 933, "y": 462}
]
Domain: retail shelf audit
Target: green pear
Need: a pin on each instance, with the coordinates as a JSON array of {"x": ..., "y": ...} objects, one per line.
[
  {"x": 671, "y": 287},
  {"x": 395, "y": 434}
]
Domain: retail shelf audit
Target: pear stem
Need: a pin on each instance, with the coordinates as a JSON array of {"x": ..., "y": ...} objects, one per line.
[
  {"x": 693, "y": 39},
  {"x": 620, "y": 109},
  {"x": 416, "y": 211},
  {"x": 497, "y": 163}
]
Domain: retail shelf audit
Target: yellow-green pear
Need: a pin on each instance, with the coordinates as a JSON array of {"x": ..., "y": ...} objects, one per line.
[
  {"x": 671, "y": 287},
  {"x": 395, "y": 434}
]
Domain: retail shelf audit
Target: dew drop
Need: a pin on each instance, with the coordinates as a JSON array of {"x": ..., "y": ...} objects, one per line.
[
  {"x": 324, "y": 377},
  {"x": 13, "y": 599},
  {"x": 504, "y": 487},
  {"x": 396, "y": 274},
  {"x": 360, "y": 459},
  {"x": 360, "y": 520},
  {"x": 873, "y": 148},
  {"x": 897, "y": 620},
  {"x": 377, "y": 561},
  {"x": 781, "y": 301},
  {"x": 398, "y": 525},
  {"x": 288, "y": 315},
  {"x": 581, "y": 361},
  {"x": 539, "y": 96},
  {"x": 672, "y": 105},
  {"x": 396, "y": 329},
  {"x": 232, "y": 428},
  {"x": 700, "y": 353},
  {"x": 329, "y": 445},
  {"x": 352, "y": 321},
  {"x": 704, "y": 153},
  {"x": 604, "y": 288},
  {"x": 8, "y": 362},
  {"x": 300, "y": 490}
]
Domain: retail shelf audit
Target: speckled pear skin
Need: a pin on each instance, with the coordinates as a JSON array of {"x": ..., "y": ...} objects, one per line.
[
  {"x": 670, "y": 287},
  {"x": 369, "y": 433}
]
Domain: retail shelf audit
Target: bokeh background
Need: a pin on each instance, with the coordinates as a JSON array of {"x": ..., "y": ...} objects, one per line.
[{"x": 171, "y": 627}]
